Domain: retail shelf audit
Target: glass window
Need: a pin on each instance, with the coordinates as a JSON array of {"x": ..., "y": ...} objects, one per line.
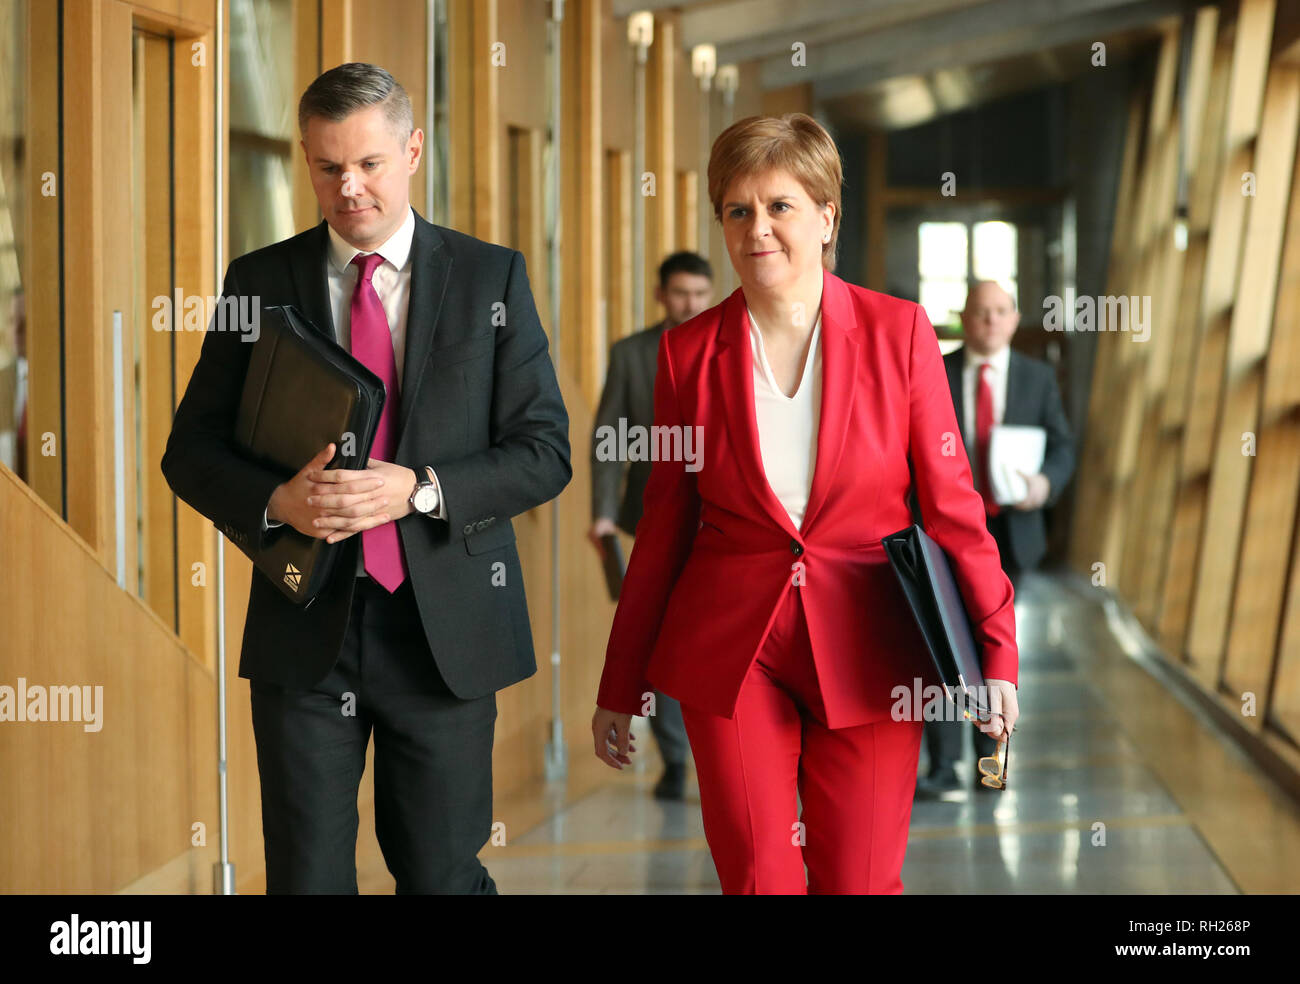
[
  {"x": 263, "y": 124},
  {"x": 994, "y": 254},
  {"x": 943, "y": 262},
  {"x": 953, "y": 255},
  {"x": 435, "y": 143},
  {"x": 32, "y": 356},
  {"x": 13, "y": 321}
]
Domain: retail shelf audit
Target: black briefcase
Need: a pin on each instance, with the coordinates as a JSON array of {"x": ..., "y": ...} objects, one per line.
[
  {"x": 613, "y": 565},
  {"x": 302, "y": 392},
  {"x": 924, "y": 574}
]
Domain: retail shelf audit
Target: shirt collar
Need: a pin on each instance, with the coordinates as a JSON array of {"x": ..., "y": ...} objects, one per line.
[
  {"x": 1000, "y": 361},
  {"x": 396, "y": 249}
]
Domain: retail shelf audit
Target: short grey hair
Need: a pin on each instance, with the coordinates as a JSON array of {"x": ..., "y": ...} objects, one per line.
[{"x": 338, "y": 93}]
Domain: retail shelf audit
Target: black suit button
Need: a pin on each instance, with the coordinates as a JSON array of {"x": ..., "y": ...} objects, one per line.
[{"x": 796, "y": 547}]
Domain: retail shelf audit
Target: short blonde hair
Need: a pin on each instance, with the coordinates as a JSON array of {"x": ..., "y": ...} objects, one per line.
[{"x": 794, "y": 142}]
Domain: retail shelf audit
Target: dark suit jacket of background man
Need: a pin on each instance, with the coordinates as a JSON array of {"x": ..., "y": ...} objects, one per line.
[
  {"x": 479, "y": 403},
  {"x": 1033, "y": 400},
  {"x": 629, "y": 392}
]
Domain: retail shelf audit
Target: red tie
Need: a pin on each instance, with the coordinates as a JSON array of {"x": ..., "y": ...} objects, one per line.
[
  {"x": 372, "y": 344},
  {"x": 983, "y": 428}
]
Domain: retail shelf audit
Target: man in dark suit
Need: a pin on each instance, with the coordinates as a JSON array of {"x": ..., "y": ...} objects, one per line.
[
  {"x": 424, "y": 617},
  {"x": 991, "y": 383},
  {"x": 685, "y": 289}
]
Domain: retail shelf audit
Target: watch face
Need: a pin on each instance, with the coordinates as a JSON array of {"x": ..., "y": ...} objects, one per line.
[{"x": 425, "y": 498}]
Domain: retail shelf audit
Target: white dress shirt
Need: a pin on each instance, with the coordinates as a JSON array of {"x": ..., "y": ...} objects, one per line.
[
  {"x": 392, "y": 282},
  {"x": 970, "y": 375},
  {"x": 787, "y": 425}
]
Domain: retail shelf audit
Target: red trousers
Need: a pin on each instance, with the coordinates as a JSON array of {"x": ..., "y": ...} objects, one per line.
[{"x": 855, "y": 784}]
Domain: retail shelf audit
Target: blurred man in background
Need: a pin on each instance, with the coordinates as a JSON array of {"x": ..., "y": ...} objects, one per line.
[
  {"x": 685, "y": 289},
  {"x": 992, "y": 384}
]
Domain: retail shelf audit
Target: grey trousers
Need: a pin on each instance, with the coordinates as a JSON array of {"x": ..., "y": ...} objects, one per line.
[{"x": 669, "y": 729}]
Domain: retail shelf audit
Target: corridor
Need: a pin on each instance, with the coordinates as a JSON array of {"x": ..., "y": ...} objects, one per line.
[{"x": 1101, "y": 741}]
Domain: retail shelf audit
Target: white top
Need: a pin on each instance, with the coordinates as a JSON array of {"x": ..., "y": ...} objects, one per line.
[
  {"x": 970, "y": 376},
  {"x": 787, "y": 425}
]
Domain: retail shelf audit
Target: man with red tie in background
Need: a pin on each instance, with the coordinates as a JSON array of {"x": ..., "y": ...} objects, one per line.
[
  {"x": 991, "y": 383},
  {"x": 424, "y": 618}
]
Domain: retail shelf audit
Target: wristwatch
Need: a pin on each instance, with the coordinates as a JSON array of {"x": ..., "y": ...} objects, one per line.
[{"x": 424, "y": 498}]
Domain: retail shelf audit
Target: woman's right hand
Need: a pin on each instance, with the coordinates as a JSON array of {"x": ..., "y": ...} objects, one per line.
[{"x": 613, "y": 736}]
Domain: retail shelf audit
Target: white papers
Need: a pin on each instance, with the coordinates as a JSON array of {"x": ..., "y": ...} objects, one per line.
[{"x": 1012, "y": 450}]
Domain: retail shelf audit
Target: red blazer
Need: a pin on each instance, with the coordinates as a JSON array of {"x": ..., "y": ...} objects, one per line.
[{"x": 715, "y": 550}]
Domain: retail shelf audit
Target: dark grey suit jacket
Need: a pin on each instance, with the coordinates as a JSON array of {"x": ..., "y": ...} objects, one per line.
[
  {"x": 629, "y": 392},
  {"x": 479, "y": 402},
  {"x": 1033, "y": 400}
]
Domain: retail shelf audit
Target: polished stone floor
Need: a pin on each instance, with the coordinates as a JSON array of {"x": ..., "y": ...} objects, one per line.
[{"x": 1113, "y": 791}]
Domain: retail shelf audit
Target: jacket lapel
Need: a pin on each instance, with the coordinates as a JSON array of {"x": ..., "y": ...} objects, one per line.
[
  {"x": 308, "y": 272},
  {"x": 1010, "y": 412},
  {"x": 954, "y": 367},
  {"x": 430, "y": 270},
  {"x": 840, "y": 352},
  {"x": 735, "y": 360}
]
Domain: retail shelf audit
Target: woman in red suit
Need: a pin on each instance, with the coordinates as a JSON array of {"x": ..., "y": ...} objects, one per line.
[{"x": 758, "y": 593}]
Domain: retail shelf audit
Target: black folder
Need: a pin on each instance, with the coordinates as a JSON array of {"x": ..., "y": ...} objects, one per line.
[
  {"x": 613, "y": 565},
  {"x": 925, "y": 576},
  {"x": 302, "y": 392}
]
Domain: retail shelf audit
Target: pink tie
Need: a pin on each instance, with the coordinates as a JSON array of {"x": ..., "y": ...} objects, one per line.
[{"x": 372, "y": 344}]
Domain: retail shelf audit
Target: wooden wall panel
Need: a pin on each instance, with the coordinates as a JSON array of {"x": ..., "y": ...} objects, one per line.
[
  {"x": 1216, "y": 569},
  {"x": 592, "y": 254},
  {"x": 306, "y": 66},
  {"x": 1146, "y": 241},
  {"x": 791, "y": 99},
  {"x": 1283, "y": 706},
  {"x": 1270, "y": 513},
  {"x": 104, "y": 808},
  {"x": 618, "y": 61},
  {"x": 618, "y": 238},
  {"x": 88, "y": 449},
  {"x": 526, "y": 222},
  {"x": 1092, "y": 459},
  {"x": 618, "y": 124},
  {"x": 689, "y": 103},
  {"x": 152, "y": 215},
  {"x": 41, "y": 287},
  {"x": 1242, "y": 379},
  {"x": 487, "y": 123},
  {"x": 460, "y": 114},
  {"x": 661, "y": 155},
  {"x": 1163, "y": 270},
  {"x": 1157, "y": 277},
  {"x": 196, "y": 540},
  {"x": 336, "y": 24},
  {"x": 374, "y": 25},
  {"x": 688, "y": 210},
  {"x": 583, "y": 228},
  {"x": 1252, "y": 32},
  {"x": 1207, "y": 90}
]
